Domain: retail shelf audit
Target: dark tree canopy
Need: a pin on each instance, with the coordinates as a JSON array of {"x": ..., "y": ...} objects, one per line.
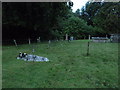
[
  {"x": 52, "y": 20},
  {"x": 104, "y": 15},
  {"x": 23, "y": 20}
]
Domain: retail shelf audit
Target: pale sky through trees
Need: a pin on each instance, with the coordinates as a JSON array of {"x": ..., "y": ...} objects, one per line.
[{"x": 78, "y": 4}]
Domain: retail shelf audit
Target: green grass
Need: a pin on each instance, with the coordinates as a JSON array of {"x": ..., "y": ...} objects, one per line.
[{"x": 69, "y": 67}]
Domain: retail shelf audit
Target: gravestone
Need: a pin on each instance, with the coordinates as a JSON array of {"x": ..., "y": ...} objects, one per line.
[
  {"x": 71, "y": 38},
  {"x": 66, "y": 37}
]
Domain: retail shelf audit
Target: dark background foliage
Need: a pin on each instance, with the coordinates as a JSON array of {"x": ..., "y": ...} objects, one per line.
[{"x": 50, "y": 20}]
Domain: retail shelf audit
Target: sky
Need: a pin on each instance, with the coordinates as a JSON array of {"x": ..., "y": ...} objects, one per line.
[{"x": 78, "y": 4}]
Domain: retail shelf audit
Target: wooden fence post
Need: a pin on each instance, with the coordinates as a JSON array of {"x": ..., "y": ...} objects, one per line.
[
  {"x": 29, "y": 41},
  {"x": 39, "y": 39},
  {"x": 89, "y": 37},
  {"x": 49, "y": 42},
  {"x": 15, "y": 43},
  {"x": 88, "y": 49}
]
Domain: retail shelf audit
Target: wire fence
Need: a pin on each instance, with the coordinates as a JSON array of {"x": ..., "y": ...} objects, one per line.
[
  {"x": 18, "y": 41},
  {"x": 81, "y": 47}
]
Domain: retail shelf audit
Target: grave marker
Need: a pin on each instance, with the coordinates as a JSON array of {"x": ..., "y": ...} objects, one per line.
[
  {"x": 71, "y": 38},
  {"x": 66, "y": 37}
]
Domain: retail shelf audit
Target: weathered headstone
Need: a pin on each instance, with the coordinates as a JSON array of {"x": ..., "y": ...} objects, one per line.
[{"x": 66, "y": 37}]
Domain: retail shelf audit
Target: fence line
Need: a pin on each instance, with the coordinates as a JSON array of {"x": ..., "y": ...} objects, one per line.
[{"x": 25, "y": 41}]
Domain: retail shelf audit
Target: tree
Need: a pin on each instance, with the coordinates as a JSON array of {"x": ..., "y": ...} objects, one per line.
[
  {"x": 34, "y": 19},
  {"x": 103, "y": 15}
]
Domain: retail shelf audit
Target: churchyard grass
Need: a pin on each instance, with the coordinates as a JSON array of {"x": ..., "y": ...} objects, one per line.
[{"x": 69, "y": 66}]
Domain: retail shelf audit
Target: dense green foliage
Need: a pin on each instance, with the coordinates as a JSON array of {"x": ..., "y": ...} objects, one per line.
[
  {"x": 104, "y": 15},
  {"x": 31, "y": 19},
  {"x": 76, "y": 27},
  {"x": 54, "y": 20},
  {"x": 69, "y": 67}
]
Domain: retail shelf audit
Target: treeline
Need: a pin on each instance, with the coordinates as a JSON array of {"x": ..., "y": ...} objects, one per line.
[
  {"x": 28, "y": 19},
  {"x": 103, "y": 16},
  {"x": 54, "y": 20}
]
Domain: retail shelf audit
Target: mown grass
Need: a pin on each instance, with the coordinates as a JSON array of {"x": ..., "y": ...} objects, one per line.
[{"x": 69, "y": 67}]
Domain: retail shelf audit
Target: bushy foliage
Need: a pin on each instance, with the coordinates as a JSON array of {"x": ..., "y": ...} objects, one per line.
[
  {"x": 103, "y": 16},
  {"x": 74, "y": 26}
]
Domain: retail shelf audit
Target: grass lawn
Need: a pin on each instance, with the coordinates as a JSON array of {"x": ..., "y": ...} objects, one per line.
[{"x": 69, "y": 67}]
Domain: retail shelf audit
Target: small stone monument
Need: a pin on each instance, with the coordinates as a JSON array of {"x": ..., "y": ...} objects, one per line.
[{"x": 66, "y": 37}]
